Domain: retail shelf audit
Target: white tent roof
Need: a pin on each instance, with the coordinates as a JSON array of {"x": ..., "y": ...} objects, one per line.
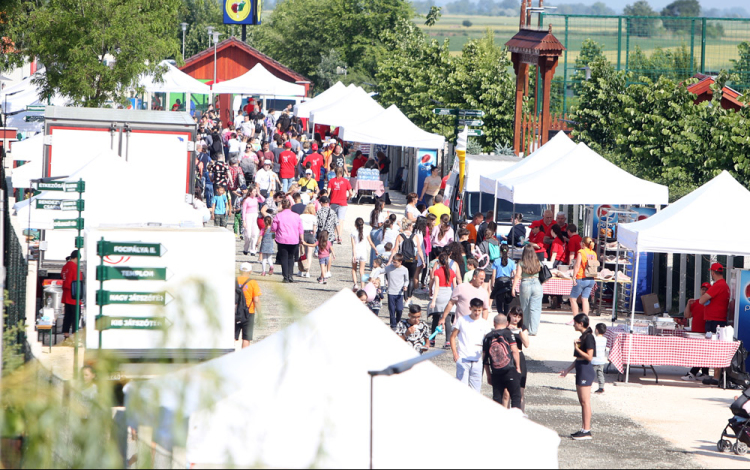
[
  {"x": 581, "y": 177},
  {"x": 174, "y": 80},
  {"x": 111, "y": 200},
  {"x": 15, "y": 99},
  {"x": 392, "y": 127},
  {"x": 22, "y": 176},
  {"x": 28, "y": 150},
  {"x": 357, "y": 107},
  {"x": 301, "y": 398},
  {"x": 674, "y": 229},
  {"x": 259, "y": 81},
  {"x": 557, "y": 147},
  {"x": 331, "y": 95}
]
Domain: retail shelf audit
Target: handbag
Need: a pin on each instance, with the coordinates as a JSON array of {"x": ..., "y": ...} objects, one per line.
[
  {"x": 75, "y": 288},
  {"x": 544, "y": 274}
]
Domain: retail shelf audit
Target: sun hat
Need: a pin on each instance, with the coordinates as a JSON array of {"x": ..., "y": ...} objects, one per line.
[{"x": 246, "y": 268}]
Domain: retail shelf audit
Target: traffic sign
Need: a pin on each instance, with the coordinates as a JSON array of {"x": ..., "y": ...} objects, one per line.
[
  {"x": 35, "y": 108},
  {"x": 130, "y": 249},
  {"x": 132, "y": 323},
  {"x": 51, "y": 186},
  {"x": 470, "y": 122},
  {"x": 75, "y": 187},
  {"x": 76, "y": 224},
  {"x": 74, "y": 205},
  {"x": 445, "y": 112},
  {"x": 49, "y": 204},
  {"x": 125, "y": 273},
  {"x": 104, "y": 297},
  {"x": 476, "y": 132},
  {"x": 33, "y": 118},
  {"x": 471, "y": 112}
]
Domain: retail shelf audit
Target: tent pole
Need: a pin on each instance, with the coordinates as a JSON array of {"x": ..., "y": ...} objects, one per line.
[
  {"x": 187, "y": 101},
  {"x": 494, "y": 205},
  {"x": 632, "y": 312}
]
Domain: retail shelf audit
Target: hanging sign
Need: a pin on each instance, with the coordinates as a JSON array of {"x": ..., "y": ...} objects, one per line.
[
  {"x": 130, "y": 249},
  {"x": 132, "y": 323},
  {"x": 124, "y": 273},
  {"x": 105, "y": 297},
  {"x": 245, "y": 12}
]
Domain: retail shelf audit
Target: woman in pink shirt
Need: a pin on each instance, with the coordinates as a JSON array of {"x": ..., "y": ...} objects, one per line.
[
  {"x": 250, "y": 210},
  {"x": 289, "y": 233},
  {"x": 442, "y": 236}
]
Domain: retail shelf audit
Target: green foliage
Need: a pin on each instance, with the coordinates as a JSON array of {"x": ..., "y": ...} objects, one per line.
[
  {"x": 504, "y": 148},
  {"x": 642, "y": 27},
  {"x": 672, "y": 63},
  {"x": 591, "y": 51},
  {"x": 655, "y": 130},
  {"x": 327, "y": 71},
  {"x": 433, "y": 16},
  {"x": 467, "y": 24},
  {"x": 74, "y": 39},
  {"x": 473, "y": 147},
  {"x": 199, "y": 15},
  {"x": 294, "y": 35},
  {"x": 680, "y": 8},
  {"x": 741, "y": 66}
]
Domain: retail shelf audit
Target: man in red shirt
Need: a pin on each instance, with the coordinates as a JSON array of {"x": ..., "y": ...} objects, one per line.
[
  {"x": 696, "y": 311},
  {"x": 574, "y": 244},
  {"x": 68, "y": 277},
  {"x": 339, "y": 190},
  {"x": 316, "y": 162},
  {"x": 562, "y": 221},
  {"x": 288, "y": 162},
  {"x": 359, "y": 162},
  {"x": 537, "y": 240},
  {"x": 716, "y": 303}
]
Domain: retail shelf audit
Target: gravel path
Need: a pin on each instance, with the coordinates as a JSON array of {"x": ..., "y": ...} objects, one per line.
[{"x": 551, "y": 401}]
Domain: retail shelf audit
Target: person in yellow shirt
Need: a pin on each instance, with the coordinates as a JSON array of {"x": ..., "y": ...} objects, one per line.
[
  {"x": 438, "y": 209},
  {"x": 308, "y": 183},
  {"x": 251, "y": 289}
]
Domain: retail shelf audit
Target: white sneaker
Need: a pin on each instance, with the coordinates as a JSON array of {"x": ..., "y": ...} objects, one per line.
[
  {"x": 299, "y": 274},
  {"x": 307, "y": 274},
  {"x": 688, "y": 378},
  {"x": 328, "y": 275}
]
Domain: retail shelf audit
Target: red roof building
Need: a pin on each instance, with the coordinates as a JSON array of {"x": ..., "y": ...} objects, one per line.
[
  {"x": 729, "y": 97},
  {"x": 233, "y": 59}
]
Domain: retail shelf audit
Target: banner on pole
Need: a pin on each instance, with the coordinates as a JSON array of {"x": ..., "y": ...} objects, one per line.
[{"x": 245, "y": 12}]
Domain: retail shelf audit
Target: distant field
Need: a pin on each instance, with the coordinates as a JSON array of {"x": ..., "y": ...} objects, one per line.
[{"x": 719, "y": 52}]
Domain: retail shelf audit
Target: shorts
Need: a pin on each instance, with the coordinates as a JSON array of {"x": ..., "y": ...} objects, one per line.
[
  {"x": 582, "y": 288},
  {"x": 323, "y": 261},
  {"x": 712, "y": 325},
  {"x": 340, "y": 211},
  {"x": 247, "y": 328},
  {"x": 585, "y": 374},
  {"x": 309, "y": 237},
  {"x": 362, "y": 257}
]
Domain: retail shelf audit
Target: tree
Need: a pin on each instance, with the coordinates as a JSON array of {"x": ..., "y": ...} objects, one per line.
[
  {"x": 467, "y": 24},
  {"x": 680, "y": 9},
  {"x": 591, "y": 51},
  {"x": 741, "y": 66},
  {"x": 199, "y": 15},
  {"x": 433, "y": 16},
  {"x": 95, "y": 50},
  {"x": 328, "y": 68},
  {"x": 641, "y": 27}
]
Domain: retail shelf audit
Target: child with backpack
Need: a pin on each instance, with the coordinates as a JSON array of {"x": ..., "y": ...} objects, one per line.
[
  {"x": 502, "y": 362},
  {"x": 490, "y": 250},
  {"x": 265, "y": 243},
  {"x": 246, "y": 303}
]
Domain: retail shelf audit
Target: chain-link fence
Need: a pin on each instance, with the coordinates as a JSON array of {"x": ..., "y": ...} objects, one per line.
[
  {"x": 15, "y": 350},
  {"x": 650, "y": 46}
]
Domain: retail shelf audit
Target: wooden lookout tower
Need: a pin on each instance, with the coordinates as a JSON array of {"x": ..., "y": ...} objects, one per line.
[{"x": 540, "y": 48}]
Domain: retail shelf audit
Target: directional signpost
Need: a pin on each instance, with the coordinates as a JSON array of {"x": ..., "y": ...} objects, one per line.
[
  {"x": 476, "y": 132},
  {"x": 470, "y": 122},
  {"x": 464, "y": 117},
  {"x": 33, "y": 118},
  {"x": 36, "y": 109},
  {"x": 128, "y": 273},
  {"x": 62, "y": 224}
]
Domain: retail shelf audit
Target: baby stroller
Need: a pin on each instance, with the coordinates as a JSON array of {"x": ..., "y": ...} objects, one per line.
[{"x": 739, "y": 425}]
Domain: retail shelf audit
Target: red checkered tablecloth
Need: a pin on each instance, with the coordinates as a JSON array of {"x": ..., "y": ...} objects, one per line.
[
  {"x": 556, "y": 286},
  {"x": 669, "y": 351},
  {"x": 363, "y": 185}
]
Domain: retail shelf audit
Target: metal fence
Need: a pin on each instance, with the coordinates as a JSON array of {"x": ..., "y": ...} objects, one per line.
[
  {"x": 15, "y": 350},
  {"x": 649, "y": 46}
]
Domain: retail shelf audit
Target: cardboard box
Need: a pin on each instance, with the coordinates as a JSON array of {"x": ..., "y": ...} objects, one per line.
[{"x": 651, "y": 305}]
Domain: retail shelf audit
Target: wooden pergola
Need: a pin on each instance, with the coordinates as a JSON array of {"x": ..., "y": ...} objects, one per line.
[{"x": 533, "y": 46}]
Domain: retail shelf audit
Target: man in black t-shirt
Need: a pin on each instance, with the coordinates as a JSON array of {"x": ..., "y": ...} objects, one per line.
[
  {"x": 502, "y": 362},
  {"x": 298, "y": 207}
]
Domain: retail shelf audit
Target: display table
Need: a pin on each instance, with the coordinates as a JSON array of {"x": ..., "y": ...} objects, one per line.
[
  {"x": 556, "y": 286},
  {"x": 668, "y": 351},
  {"x": 365, "y": 188}
]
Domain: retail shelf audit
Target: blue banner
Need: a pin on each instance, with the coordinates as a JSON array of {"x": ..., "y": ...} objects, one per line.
[
  {"x": 242, "y": 12},
  {"x": 742, "y": 328}
]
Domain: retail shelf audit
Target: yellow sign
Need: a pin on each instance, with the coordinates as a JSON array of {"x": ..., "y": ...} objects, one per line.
[{"x": 238, "y": 10}]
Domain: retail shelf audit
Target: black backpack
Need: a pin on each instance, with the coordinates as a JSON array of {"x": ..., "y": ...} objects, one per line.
[
  {"x": 408, "y": 249},
  {"x": 499, "y": 352},
  {"x": 241, "y": 311}
]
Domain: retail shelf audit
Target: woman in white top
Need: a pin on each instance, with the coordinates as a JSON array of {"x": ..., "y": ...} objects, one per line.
[
  {"x": 310, "y": 227},
  {"x": 390, "y": 233},
  {"x": 267, "y": 180},
  {"x": 360, "y": 252},
  {"x": 412, "y": 213}
]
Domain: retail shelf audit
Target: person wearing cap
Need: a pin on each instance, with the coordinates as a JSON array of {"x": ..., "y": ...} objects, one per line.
[
  {"x": 251, "y": 291},
  {"x": 316, "y": 163},
  {"x": 716, "y": 303},
  {"x": 266, "y": 179},
  {"x": 697, "y": 312},
  {"x": 288, "y": 162},
  {"x": 308, "y": 183},
  {"x": 69, "y": 276}
]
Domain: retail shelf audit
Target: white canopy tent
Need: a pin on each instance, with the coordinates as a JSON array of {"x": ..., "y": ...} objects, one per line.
[
  {"x": 258, "y": 81},
  {"x": 557, "y": 147},
  {"x": 582, "y": 176},
  {"x": 15, "y": 99},
  {"x": 301, "y": 399},
  {"x": 331, "y": 95},
  {"x": 673, "y": 230},
  {"x": 392, "y": 127},
  {"x": 22, "y": 175},
  {"x": 357, "y": 107},
  {"x": 28, "y": 150},
  {"x": 174, "y": 80}
]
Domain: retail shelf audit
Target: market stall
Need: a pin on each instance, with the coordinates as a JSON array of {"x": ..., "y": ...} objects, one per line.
[
  {"x": 308, "y": 385},
  {"x": 674, "y": 230},
  {"x": 258, "y": 81},
  {"x": 331, "y": 95},
  {"x": 357, "y": 107},
  {"x": 173, "y": 80}
]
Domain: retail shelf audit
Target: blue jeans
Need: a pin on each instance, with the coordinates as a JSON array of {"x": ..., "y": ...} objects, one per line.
[
  {"x": 377, "y": 237},
  {"x": 285, "y": 183},
  {"x": 470, "y": 373},
  {"x": 531, "y": 303},
  {"x": 395, "y": 308},
  {"x": 209, "y": 192},
  {"x": 582, "y": 288}
]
